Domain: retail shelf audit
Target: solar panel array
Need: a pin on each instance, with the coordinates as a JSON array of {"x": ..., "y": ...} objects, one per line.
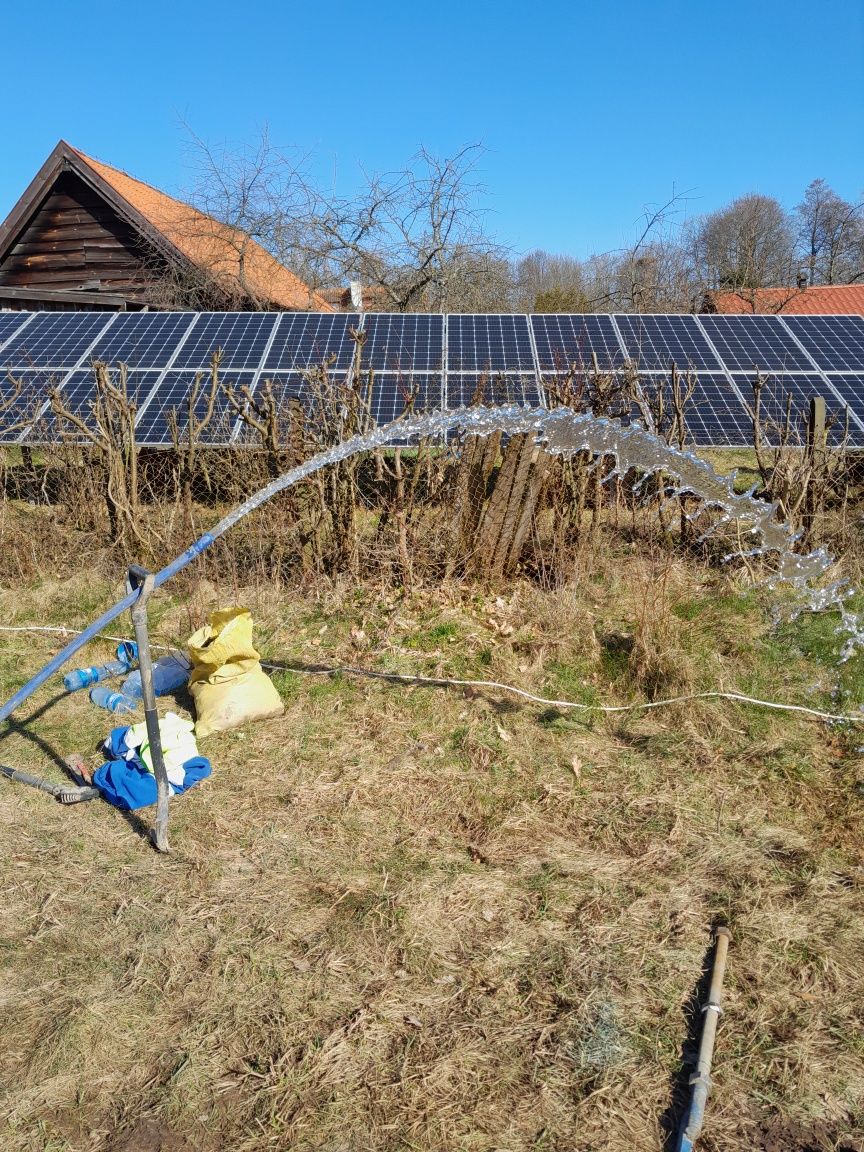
[{"x": 419, "y": 362}]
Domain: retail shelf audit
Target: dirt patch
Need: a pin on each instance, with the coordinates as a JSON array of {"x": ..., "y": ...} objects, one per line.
[
  {"x": 153, "y": 1135},
  {"x": 789, "y": 1136}
]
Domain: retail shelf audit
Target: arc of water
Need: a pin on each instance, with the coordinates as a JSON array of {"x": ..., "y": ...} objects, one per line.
[{"x": 563, "y": 433}]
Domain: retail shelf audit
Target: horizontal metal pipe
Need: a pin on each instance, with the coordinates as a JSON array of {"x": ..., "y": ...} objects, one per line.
[{"x": 701, "y": 1079}]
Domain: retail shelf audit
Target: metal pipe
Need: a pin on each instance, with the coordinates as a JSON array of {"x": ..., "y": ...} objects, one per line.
[
  {"x": 61, "y": 792},
  {"x": 93, "y": 630},
  {"x": 33, "y": 781},
  {"x": 143, "y": 582},
  {"x": 701, "y": 1078}
]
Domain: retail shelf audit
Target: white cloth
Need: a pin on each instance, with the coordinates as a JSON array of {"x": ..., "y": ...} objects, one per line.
[{"x": 178, "y": 745}]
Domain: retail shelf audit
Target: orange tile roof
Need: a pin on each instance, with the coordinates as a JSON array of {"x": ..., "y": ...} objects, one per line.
[
  {"x": 827, "y": 299},
  {"x": 217, "y": 248}
]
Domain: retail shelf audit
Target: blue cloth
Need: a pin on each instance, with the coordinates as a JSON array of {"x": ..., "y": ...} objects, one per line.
[{"x": 127, "y": 784}]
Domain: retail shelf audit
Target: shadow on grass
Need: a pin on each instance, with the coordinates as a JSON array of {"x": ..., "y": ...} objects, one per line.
[
  {"x": 22, "y": 728},
  {"x": 679, "y": 1088}
]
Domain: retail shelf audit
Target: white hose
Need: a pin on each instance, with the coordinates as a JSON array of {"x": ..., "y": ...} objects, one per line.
[{"x": 445, "y": 681}]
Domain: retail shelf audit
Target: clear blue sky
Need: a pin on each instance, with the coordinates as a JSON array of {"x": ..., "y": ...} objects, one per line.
[{"x": 588, "y": 111}]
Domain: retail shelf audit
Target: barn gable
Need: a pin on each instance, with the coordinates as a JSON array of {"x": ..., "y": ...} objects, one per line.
[{"x": 88, "y": 235}]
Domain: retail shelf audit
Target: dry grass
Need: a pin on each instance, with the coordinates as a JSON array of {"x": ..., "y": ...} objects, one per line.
[{"x": 422, "y": 919}]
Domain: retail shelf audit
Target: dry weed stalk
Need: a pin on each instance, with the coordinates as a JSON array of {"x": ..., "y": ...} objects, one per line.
[
  {"x": 190, "y": 464},
  {"x": 799, "y": 470},
  {"x": 110, "y": 450}
]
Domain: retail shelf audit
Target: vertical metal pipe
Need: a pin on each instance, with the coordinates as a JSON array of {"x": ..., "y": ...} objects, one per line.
[
  {"x": 144, "y": 581},
  {"x": 701, "y": 1078}
]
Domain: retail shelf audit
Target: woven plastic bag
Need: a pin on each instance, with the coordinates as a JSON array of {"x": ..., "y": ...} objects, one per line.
[{"x": 228, "y": 685}]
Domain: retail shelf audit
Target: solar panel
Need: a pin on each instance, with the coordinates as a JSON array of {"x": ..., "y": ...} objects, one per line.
[
  {"x": 242, "y": 337},
  {"x": 55, "y": 339},
  {"x": 284, "y": 387},
  {"x": 567, "y": 340},
  {"x": 466, "y": 389},
  {"x": 9, "y": 322},
  {"x": 851, "y": 391},
  {"x": 760, "y": 342},
  {"x": 490, "y": 358},
  {"x": 21, "y": 399},
  {"x": 394, "y": 394},
  {"x": 142, "y": 338},
  {"x": 777, "y": 387},
  {"x": 836, "y": 343},
  {"x": 714, "y": 415},
  {"x": 404, "y": 343},
  {"x": 78, "y": 394},
  {"x": 174, "y": 393},
  {"x": 661, "y": 341},
  {"x": 308, "y": 339},
  {"x": 397, "y": 394},
  {"x": 496, "y": 343}
]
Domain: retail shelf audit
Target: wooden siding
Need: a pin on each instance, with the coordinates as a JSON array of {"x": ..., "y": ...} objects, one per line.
[{"x": 76, "y": 240}]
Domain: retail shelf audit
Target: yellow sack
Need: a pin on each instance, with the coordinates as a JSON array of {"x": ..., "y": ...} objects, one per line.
[{"x": 227, "y": 682}]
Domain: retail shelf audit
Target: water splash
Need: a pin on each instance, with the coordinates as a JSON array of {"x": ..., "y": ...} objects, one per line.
[
  {"x": 563, "y": 433},
  {"x": 566, "y": 433}
]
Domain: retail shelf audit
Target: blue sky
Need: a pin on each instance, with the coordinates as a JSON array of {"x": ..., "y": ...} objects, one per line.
[{"x": 588, "y": 111}]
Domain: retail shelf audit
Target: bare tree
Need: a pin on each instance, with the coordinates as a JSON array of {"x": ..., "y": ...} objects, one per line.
[
  {"x": 416, "y": 236},
  {"x": 745, "y": 246},
  {"x": 830, "y": 235},
  {"x": 417, "y": 239},
  {"x": 544, "y": 282}
]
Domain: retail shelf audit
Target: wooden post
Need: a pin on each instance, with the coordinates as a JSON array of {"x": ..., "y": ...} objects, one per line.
[{"x": 816, "y": 458}]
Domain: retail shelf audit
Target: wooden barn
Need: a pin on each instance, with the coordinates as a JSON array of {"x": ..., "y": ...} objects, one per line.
[{"x": 88, "y": 236}]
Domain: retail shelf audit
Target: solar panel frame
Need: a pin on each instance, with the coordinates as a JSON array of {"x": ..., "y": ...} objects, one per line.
[
  {"x": 802, "y": 387},
  {"x": 835, "y": 343},
  {"x": 30, "y": 399},
  {"x": 145, "y": 340},
  {"x": 393, "y": 391},
  {"x": 78, "y": 390},
  {"x": 656, "y": 341},
  {"x": 286, "y": 386},
  {"x": 754, "y": 342},
  {"x": 564, "y": 340},
  {"x": 795, "y": 352},
  {"x": 850, "y": 390},
  {"x": 404, "y": 342},
  {"x": 497, "y": 342},
  {"x": 308, "y": 339}
]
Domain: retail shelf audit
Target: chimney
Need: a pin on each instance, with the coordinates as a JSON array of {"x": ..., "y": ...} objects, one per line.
[
  {"x": 801, "y": 281},
  {"x": 356, "y": 295}
]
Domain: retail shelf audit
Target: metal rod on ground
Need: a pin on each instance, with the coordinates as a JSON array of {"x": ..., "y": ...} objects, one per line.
[
  {"x": 701, "y": 1078},
  {"x": 143, "y": 582},
  {"x": 62, "y": 792}
]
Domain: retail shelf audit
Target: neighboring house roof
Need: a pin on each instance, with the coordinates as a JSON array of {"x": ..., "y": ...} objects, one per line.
[
  {"x": 232, "y": 258},
  {"x": 827, "y": 299}
]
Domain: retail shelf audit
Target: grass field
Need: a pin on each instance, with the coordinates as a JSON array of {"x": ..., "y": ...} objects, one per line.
[{"x": 420, "y": 918}]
